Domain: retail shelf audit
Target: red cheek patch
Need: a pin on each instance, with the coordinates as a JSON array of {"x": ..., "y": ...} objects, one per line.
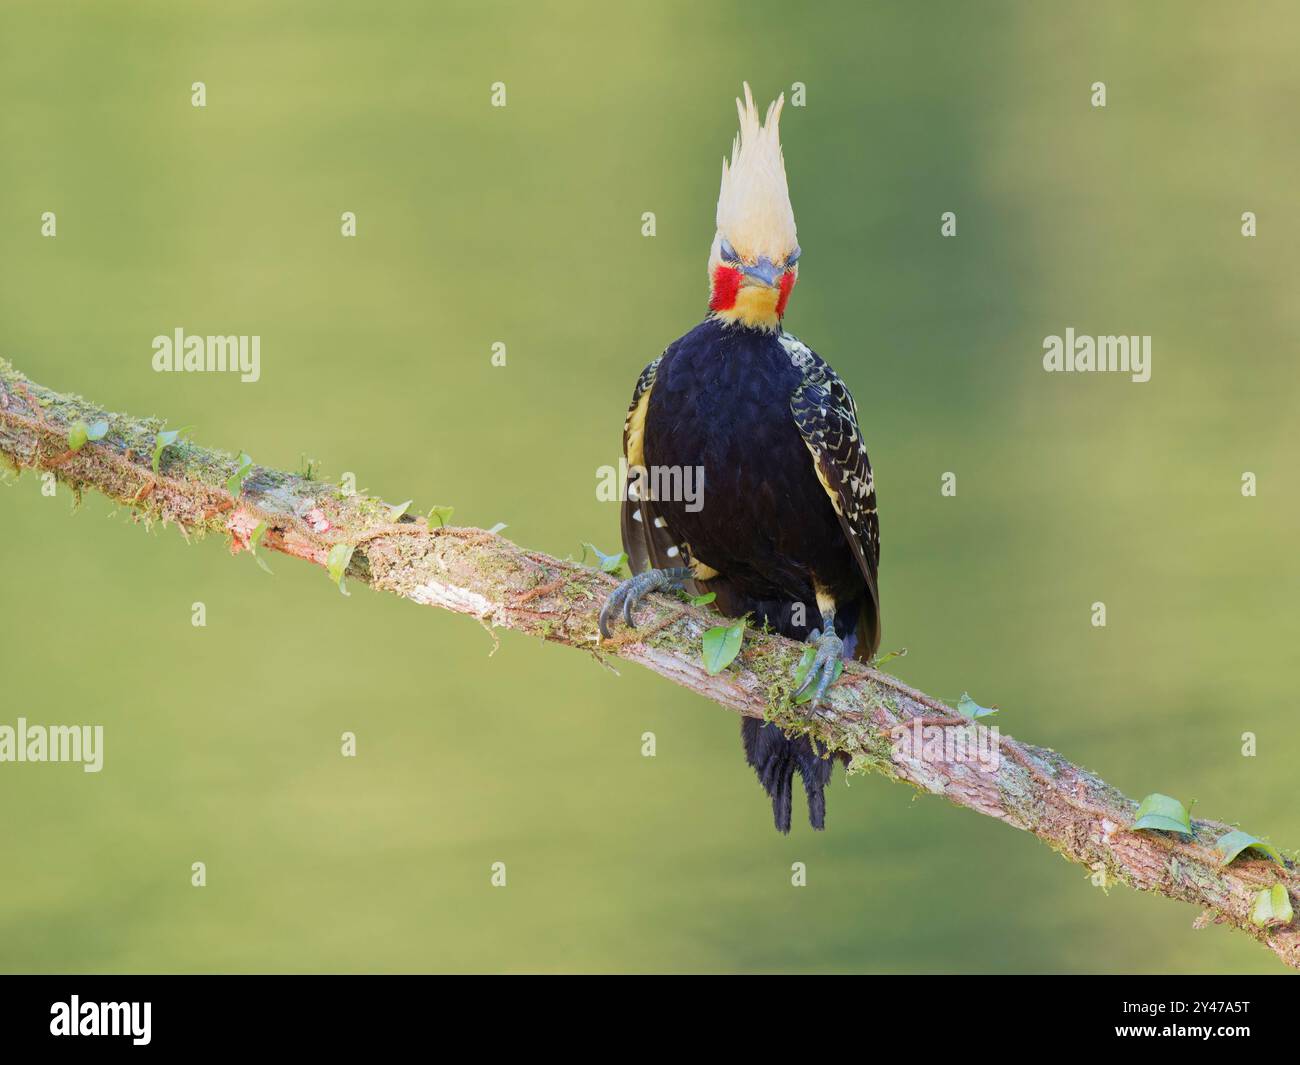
[
  {"x": 787, "y": 283},
  {"x": 726, "y": 283}
]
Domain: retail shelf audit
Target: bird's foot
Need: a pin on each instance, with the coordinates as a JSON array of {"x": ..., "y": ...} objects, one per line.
[
  {"x": 628, "y": 595},
  {"x": 822, "y": 670}
]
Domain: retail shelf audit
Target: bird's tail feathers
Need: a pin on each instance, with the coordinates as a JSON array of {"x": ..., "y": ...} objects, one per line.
[{"x": 776, "y": 758}]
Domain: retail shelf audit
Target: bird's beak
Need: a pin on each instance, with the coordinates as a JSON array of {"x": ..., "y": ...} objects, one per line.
[{"x": 764, "y": 271}]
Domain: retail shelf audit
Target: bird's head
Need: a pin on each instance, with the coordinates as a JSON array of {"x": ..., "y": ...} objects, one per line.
[{"x": 753, "y": 264}]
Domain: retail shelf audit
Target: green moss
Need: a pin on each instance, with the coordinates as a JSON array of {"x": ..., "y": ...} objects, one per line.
[{"x": 575, "y": 590}]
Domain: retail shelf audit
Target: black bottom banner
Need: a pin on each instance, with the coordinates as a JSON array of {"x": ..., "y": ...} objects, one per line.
[{"x": 338, "y": 1013}]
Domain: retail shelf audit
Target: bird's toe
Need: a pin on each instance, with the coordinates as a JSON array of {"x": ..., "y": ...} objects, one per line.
[
  {"x": 822, "y": 670},
  {"x": 628, "y": 595},
  {"x": 613, "y": 604}
]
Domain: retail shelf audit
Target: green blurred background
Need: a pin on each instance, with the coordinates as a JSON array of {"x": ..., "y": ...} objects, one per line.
[{"x": 523, "y": 225}]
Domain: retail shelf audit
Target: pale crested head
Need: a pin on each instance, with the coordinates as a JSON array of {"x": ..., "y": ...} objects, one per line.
[
  {"x": 754, "y": 212},
  {"x": 753, "y": 263}
]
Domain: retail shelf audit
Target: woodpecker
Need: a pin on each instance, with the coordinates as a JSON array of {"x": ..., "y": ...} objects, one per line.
[{"x": 785, "y": 530}]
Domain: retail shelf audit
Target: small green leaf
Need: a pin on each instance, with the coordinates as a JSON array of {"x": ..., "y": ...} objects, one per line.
[
  {"x": 801, "y": 674},
  {"x": 805, "y": 664},
  {"x": 165, "y": 440},
  {"x": 337, "y": 562},
  {"x": 254, "y": 541},
  {"x": 700, "y": 600},
  {"x": 498, "y": 527},
  {"x": 235, "y": 483},
  {"x": 442, "y": 514},
  {"x": 395, "y": 513},
  {"x": 608, "y": 563},
  {"x": 1272, "y": 907},
  {"x": 1233, "y": 843},
  {"x": 968, "y": 707},
  {"x": 1163, "y": 814},
  {"x": 721, "y": 645},
  {"x": 78, "y": 434},
  {"x": 900, "y": 653}
]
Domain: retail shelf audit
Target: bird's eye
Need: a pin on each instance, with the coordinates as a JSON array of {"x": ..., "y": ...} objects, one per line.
[
  {"x": 729, "y": 253},
  {"x": 792, "y": 258}
]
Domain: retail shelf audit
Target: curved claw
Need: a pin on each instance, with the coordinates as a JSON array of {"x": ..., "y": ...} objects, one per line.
[
  {"x": 829, "y": 648},
  {"x": 613, "y": 603},
  {"x": 628, "y": 595}
]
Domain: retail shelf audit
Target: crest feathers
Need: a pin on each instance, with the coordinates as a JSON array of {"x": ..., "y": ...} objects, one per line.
[{"x": 754, "y": 212}]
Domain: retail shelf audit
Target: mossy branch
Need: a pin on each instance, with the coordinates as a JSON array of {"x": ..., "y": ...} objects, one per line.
[{"x": 474, "y": 572}]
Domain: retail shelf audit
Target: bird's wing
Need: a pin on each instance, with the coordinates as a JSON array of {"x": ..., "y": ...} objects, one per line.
[
  {"x": 827, "y": 419},
  {"x": 646, "y": 539}
]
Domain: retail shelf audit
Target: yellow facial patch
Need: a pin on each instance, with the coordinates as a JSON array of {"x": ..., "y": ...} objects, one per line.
[{"x": 755, "y": 306}]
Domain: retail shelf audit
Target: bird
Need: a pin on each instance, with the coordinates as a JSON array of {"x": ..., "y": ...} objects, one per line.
[{"x": 784, "y": 527}]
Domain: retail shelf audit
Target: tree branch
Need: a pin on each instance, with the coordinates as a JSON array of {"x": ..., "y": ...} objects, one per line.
[{"x": 871, "y": 717}]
